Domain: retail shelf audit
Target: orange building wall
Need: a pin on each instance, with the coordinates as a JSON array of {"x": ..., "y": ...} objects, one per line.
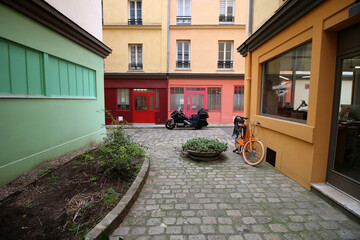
[{"x": 301, "y": 149}]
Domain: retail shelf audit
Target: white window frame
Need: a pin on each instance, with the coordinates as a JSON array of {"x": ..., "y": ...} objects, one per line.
[
  {"x": 182, "y": 12},
  {"x": 183, "y": 53},
  {"x": 136, "y": 56},
  {"x": 136, "y": 10},
  {"x": 224, "y": 56},
  {"x": 227, "y": 3}
]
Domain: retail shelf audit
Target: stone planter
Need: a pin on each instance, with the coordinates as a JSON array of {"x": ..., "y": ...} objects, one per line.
[{"x": 204, "y": 156}]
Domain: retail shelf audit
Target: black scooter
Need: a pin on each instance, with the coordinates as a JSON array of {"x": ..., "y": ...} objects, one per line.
[{"x": 179, "y": 119}]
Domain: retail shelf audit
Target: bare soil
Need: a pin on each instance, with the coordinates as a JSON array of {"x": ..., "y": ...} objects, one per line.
[{"x": 63, "y": 203}]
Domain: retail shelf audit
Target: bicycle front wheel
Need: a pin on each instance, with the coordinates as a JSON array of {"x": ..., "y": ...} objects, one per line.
[{"x": 253, "y": 152}]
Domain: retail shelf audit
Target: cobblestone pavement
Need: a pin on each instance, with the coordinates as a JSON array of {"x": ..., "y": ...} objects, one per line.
[{"x": 227, "y": 199}]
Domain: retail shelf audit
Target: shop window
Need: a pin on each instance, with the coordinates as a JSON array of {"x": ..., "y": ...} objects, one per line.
[
  {"x": 135, "y": 13},
  {"x": 214, "y": 98},
  {"x": 176, "y": 98},
  {"x": 226, "y": 11},
  {"x": 286, "y": 83},
  {"x": 239, "y": 98},
  {"x": 183, "y": 12},
  {"x": 183, "y": 55},
  {"x": 225, "y": 56},
  {"x": 157, "y": 100},
  {"x": 122, "y": 99},
  {"x": 135, "y": 57}
]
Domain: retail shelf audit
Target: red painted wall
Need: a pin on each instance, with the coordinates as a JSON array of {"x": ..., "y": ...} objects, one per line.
[{"x": 111, "y": 86}]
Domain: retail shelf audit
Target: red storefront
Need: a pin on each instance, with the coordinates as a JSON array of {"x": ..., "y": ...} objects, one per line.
[{"x": 136, "y": 98}]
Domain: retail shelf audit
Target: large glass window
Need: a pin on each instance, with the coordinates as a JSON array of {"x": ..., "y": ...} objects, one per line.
[
  {"x": 226, "y": 11},
  {"x": 286, "y": 82},
  {"x": 135, "y": 57},
  {"x": 176, "y": 98},
  {"x": 239, "y": 98},
  {"x": 225, "y": 59},
  {"x": 183, "y": 12},
  {"x": 122, "y": 99},
  {"x": 214, "y": 99},
  {"x": 135, "y": 13},
  {"x": 183, "y": 55}
]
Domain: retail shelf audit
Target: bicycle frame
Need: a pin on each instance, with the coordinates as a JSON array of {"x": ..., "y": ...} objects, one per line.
[{"x": 248, "y": 137}]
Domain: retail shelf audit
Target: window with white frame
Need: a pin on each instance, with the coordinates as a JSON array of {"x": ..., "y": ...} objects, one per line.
[
  {"x": 135, "y": 57},
  {"x": 183, "y": 55},
  {"x": 225, "y": 59},
  {"x": 135, "y": 13},
  {"x": 226, "y": 11},
  {"x": 183, "y": 12}
]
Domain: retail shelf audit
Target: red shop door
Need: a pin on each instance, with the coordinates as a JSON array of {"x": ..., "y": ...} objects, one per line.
[
  {"x": 195, "y": 100},
  {"x": 144, "y": 106}
]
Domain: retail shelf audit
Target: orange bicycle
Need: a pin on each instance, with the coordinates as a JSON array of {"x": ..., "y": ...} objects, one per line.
[{"x": 251, "y": 148}]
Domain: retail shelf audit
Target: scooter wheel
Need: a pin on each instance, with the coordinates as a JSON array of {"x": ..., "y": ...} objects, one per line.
[{"x": 170, "y": 124}]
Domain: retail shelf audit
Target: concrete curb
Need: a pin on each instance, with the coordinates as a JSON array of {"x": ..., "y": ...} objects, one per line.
[{"x": 113, "y": 219}]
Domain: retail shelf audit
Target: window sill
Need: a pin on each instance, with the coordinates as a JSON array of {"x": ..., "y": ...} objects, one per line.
[
  {"x": 289, "y": 127},
  {"x": 225, "y": 70},
  {"x": 226, "y": 23},
  {"x": 135, "y": 70},
  {"x": 183, "y": 69}
]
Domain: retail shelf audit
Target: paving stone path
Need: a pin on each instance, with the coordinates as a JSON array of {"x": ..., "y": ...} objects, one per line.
[{"x": 227, "y": 199}]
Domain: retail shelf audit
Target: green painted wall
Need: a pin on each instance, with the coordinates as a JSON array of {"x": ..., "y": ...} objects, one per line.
[{"x": 34, "y": 130}]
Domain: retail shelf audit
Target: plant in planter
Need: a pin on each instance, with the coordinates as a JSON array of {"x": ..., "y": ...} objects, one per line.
[{"x": 204, "y": 149}]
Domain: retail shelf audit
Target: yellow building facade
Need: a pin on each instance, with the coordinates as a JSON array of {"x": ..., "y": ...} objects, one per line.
[
  {"x": 171, "y": 53},
  {"x": 301, "y": 73}
]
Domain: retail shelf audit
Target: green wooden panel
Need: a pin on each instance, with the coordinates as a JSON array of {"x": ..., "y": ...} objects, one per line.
[
  {"x": 5, "y": 84},
  {"x": 64, "y": 78},
  {"x": 79, "y": 81},
  {"x": 72, "y": 79},
  {"x": 86, "y": 82},
  {"x": 92, "y": 83},
  {"x": 53, "y": 76},
  {"x": 34, "y": 72},
  {"x": 18, "y": 70}
]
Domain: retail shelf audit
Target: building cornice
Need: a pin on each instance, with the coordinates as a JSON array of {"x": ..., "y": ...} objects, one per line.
[
  {"x": 288, "y": 13},
  {"x": 222, "y": 76},
  {"x": 48, "y": 16},
  {"x": 136, "y": 75},
  {"x": 207, "y": 26},
  {"x": 132, "y": 27}
]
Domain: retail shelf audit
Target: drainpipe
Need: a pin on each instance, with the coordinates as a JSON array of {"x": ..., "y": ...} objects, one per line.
[
  {"x": 168, "y": 39},
  {"x": 250, "y": 17},
  {"x": 247, "y": 85}
]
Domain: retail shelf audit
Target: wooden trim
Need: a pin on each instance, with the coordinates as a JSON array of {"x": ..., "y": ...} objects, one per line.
[
  {"x": 287, "y": 14},
  {"x": 48, "y": 16}
]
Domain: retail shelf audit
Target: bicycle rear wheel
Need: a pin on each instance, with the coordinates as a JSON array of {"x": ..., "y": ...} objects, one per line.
[{"x": 253, "y": 153}]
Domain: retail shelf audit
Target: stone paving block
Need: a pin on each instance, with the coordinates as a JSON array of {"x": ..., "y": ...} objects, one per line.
[{"x": 184, "y": 199}]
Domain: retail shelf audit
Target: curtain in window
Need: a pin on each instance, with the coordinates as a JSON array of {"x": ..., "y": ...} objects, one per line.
[
  {"x": 239, "y": 99},
  {"x": 122, "y": 99},
  {"x": 225, "y": 55},
  {"x": 183, "y": 54},
  {"x": 214, "y": 99}
]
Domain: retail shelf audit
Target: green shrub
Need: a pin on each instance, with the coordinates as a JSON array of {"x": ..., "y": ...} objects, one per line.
[
  {"x": 205, "y": 145},
  {"x": 118, "y": 153}
]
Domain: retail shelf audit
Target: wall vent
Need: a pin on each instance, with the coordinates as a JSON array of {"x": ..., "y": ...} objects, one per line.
[{"x": 270, "y": 156}]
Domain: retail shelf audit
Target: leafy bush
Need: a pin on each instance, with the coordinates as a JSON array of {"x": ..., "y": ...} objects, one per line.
[
  {"x": 205, "y": 145},
  {"x": 118, "y": 153}
]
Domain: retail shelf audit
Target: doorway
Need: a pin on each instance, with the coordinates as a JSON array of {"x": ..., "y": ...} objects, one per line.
[
  {"x": 144, "y": 106},
  {"x": 344, "y": 162},
  {"x": 195, "y": 100}
]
